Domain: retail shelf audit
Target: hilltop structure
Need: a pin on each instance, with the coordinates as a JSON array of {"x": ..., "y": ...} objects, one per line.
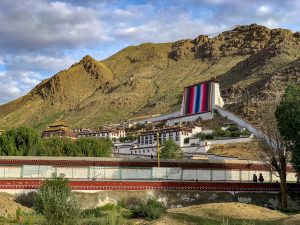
[
  {"x": 58, "y": 129},
  {"x": 198, "y": 102}
]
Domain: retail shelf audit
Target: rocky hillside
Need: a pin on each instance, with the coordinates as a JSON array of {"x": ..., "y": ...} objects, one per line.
[{"x": 253, "y": 64}]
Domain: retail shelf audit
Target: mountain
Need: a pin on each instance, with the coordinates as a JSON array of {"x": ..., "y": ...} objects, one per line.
[{"x": 252, "y": 63}]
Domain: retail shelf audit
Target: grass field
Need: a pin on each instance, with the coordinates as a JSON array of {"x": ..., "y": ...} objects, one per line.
[{"x": 206, "y": 214}]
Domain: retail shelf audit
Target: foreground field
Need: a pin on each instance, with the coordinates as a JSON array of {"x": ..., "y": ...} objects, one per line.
[
  {"x": 226, "y": 214},
  {"x": 206, "y": 214}
]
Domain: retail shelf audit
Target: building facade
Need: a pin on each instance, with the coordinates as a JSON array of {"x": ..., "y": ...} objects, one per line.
[
  {"x": 113, "y": 134},
  {"x": 59, "y": 129}
]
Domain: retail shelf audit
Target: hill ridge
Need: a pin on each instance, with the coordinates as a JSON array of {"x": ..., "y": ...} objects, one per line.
[{"x": 149, "y": 79}]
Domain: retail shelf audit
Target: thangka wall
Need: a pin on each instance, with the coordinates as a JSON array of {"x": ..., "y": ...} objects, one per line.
[{"x": 199, "y": 98}]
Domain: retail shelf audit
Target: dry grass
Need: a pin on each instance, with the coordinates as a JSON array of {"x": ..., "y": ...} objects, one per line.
[
  {"x": 247, "y": 150},
  {"x": 231, "y": 210}
]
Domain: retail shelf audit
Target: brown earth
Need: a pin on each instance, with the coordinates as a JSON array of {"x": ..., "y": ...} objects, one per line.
[
  {"x": 248, "y": 150},
  {"x": 232, "y": 210},
  {"x": 253, "y": 64},
  {"x": 8, "y": 206}
]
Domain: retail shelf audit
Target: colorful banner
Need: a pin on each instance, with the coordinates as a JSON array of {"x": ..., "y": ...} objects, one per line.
[{"x": 198, "y": 98}]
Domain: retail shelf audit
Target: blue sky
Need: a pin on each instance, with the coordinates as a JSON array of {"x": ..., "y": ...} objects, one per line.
[{"x": 38, "y": 38}]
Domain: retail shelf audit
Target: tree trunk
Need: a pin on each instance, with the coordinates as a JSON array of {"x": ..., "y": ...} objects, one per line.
[{"x": 283, "y": 189}]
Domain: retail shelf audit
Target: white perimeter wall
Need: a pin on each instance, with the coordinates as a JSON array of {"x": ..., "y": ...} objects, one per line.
[{"x": 130, "y": 173}]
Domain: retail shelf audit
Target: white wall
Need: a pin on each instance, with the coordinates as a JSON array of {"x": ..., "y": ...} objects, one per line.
[
  {"x": 229, "y": 141},
  {"x": 240, "y": 122}
]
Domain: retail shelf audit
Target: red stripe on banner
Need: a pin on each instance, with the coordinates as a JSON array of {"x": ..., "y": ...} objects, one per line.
[
  {"x": 204, "y": 98},
  {"x": 191, "y": 100}
]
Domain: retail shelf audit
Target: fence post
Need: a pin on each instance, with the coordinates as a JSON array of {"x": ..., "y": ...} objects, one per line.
[
  {"x": 120, "y": 173},
  {"x": 151, "y": 173},
  {"x": 22, "y": 172},
  {"x": 181, "y": 175},
  {"x": 89, "y": 172}
]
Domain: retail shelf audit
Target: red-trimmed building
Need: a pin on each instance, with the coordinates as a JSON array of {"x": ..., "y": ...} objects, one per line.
[{"x": 58, "y": 129}]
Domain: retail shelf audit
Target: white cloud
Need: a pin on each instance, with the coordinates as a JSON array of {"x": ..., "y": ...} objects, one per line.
[
  {"x": 264, "y": 10},
  {"x": 41, "y": 25},
  {"x": 17, "y": 83},
  {"x": 38, "y": 62}
]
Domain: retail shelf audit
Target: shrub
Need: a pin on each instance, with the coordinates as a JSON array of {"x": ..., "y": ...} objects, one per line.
[
  {"x": 233, "y": 128},
  {"x": 56, "y": 202},
  {"x": 91, "y": 213},
  {"x": 201, "y": 136},
  {"x": 245, "y": 132},
  {"x": 209, "y": 136},
  {"x": 26, "y": 199},
  {"x": 151, "y": 210},
  {"x": 19, "y": 215},
  {"x": 236, "y": 133},
  {"x": 113, "y": 218}
]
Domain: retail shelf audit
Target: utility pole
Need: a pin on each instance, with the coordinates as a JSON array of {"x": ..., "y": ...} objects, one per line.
[{"x": 158, "y": 149}]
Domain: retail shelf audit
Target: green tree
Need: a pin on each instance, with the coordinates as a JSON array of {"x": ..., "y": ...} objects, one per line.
[
  {"x": 171, "y": 150},
  {"x": 21, "y": 141},
  {"x": 96, "y": 147},
  {"x": 288, "y": 119},
  {"x": 55, "y": 201}
]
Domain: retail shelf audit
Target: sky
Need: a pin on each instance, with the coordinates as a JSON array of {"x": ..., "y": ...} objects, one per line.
[{"x": 38, "y": 38}]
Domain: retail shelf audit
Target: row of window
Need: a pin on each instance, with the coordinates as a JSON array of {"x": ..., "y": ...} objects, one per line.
[
  {"x": 141, "y": 151},
  {"x": 145, "y": 141}
]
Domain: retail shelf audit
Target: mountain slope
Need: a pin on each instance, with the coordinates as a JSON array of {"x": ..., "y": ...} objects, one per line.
[{"x": 252, "y": 63}]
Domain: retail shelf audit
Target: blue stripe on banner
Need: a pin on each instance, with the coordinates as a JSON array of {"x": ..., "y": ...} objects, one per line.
[{"x": 198, "y": 98}]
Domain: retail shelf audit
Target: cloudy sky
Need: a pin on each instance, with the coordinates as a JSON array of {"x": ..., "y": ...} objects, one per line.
[{"x": 41, "y": 37}]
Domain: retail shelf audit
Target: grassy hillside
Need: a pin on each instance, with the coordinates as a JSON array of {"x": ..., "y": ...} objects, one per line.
[{"x": 252, "y": 63}]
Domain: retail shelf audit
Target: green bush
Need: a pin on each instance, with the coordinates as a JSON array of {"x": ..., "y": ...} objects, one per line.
[
  {"x": 91, "y": 213},
  {"x": 245, "y": 132},
  {"x": 209, "y": 136},
  {"x": 236, "y": 133},
  {"x": 233, "y": 128},
  {"x": 151, "y": 210},
  {"x": 113, "y": 217},
  {"x": 55, "y": 201}
]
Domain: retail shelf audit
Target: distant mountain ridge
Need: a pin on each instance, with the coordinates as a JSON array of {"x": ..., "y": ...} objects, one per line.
[{"x": 252, "y": 63}]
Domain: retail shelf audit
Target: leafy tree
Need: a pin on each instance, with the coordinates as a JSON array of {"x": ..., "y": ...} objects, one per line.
[
  {"x": 21, "y": 141},
  {"x": 55, "y": 201},
  {"x": 288, "y": 119},
  {"x": 97, "y": 147},
  {"x": 171, "y": 150}
]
